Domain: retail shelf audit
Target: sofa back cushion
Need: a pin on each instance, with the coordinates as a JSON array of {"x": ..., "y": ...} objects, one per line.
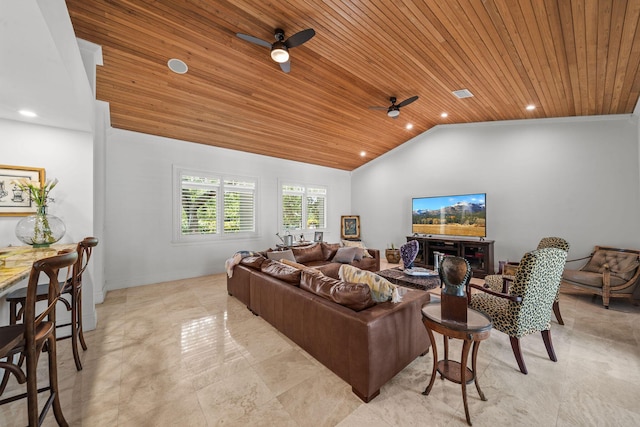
[
  {"x": 621, "y": 264},
  {"x": 308, "y": 253},
  {"x": 329, "y": 250},
  {"x": 355, "y": 296},
  {"x": 281, "y": 271},
  {"x": 254, "y": 262}
]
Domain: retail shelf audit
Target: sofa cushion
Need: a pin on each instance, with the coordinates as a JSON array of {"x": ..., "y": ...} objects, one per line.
[
  {"x": 345, "y": 255},
  {"x": 329, "y": 250},
  {"x": 281, "y": 271},
  {"x": 254, "y": 262},
  {"x": 621, "y": 264},
  {"x": 588, "y": 278},
  {"x": 308, "y": 253},
  {"x": 381, "y": 289},
  {"x": 354, "y": 244},
  {"x": 278, "y": 255},
  {"x": 355, "y": 296}
]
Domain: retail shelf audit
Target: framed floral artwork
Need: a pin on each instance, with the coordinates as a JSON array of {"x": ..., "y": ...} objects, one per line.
[
  {"x": 317, "y": 236},
  {"x": 13, "y": 200},
  {"x": 350, "y": 226}
]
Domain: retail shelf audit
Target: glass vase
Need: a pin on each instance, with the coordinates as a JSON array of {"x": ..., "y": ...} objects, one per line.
[{"x": 41, "y": 229}]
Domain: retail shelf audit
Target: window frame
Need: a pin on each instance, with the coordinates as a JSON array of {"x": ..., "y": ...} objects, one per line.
[
  {"x": 281, "y": 192},
  {"x": 220, "y": 235}
]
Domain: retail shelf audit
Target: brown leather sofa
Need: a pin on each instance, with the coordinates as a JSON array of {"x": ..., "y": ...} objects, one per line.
[{"x": 366, "y": 348}]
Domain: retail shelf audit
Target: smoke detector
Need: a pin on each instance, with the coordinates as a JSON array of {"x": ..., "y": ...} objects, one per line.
[
  {"x": 462, "y": 93},
  {"x": 177, "y": 66}
]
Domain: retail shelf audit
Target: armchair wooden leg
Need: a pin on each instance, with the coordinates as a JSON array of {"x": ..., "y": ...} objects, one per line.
[
  {"x": 556, "y": 311},
  {"x": 546, "y": 337},
  {"x": 515, "y": 346}
]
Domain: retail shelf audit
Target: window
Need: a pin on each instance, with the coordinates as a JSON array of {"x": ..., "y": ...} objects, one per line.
[
  {"x": 303, "y": 207},
  {"x": 215, "y": 205}
]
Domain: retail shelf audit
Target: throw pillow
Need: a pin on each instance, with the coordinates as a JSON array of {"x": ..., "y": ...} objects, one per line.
[
  {"x": 345, "y": 255},
  {"x": 353, "y": 244},
  {"x": 278, "y": 255},
  {"x": 381, "y": 289}
]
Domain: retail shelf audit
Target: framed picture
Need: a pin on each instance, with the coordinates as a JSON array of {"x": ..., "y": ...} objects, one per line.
[
  {"x": 350, "y": 226},
  {"x": 317, "y": 236},
  {"x": 14, "y": 201}
]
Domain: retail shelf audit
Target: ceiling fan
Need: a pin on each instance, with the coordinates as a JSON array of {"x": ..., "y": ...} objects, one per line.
[
  {"x": 393, "y": 110},
  {"x": 280, "y": 48}
]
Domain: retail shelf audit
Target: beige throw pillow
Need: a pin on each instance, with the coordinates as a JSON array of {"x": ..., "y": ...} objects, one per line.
[{"x": 381, "y": 289}]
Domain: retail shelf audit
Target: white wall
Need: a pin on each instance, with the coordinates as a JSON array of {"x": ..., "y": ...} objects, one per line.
[
  {"x": 68, "y": 156},
  {"x": 138, "y": 220},
  {"x": 576, "y": 178}
]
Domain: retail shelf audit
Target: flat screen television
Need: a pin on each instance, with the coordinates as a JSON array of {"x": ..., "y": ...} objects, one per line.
[{"x": 460, "y": 215}]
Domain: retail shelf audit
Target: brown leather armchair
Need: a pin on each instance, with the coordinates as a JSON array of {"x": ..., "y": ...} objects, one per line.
[{"x": 609, "y": 272}]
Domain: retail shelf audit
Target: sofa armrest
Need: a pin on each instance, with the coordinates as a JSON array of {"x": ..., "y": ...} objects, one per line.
[{"x": 375, "y": 253}]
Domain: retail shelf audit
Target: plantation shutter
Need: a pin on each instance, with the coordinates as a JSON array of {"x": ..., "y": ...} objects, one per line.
[
  {"x": 239, "y": 206},
  {"x": 199, "y": 199},
  {"x": 292, "y": 207},
  {"x": 316, "y": 207}
]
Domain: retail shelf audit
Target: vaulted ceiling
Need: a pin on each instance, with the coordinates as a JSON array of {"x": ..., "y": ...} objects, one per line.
[{"x": 567, "y": 58}]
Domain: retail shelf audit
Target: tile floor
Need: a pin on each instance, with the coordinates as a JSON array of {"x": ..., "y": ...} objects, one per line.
[{"x": 184, "y": 353}]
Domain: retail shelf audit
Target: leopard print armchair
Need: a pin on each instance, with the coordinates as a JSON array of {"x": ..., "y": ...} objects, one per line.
[
  {"x": 526, "y": 309},
  {"x": 499, "y": 282}
]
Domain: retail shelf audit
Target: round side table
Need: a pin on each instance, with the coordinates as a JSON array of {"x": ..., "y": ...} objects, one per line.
[{"x": 476, "y": 329}]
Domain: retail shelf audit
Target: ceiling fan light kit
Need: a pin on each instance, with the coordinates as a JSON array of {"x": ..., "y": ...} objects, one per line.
[
  {"x": 280, "y": 48},
  {"x": 393, "y": 110},
  {"x": 279, "y": 54}
]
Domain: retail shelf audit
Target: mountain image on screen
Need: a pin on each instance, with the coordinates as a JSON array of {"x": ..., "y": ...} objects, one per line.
[{"x": 461, "y": 215}]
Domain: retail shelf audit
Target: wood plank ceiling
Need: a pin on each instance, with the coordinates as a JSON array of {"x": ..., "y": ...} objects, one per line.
[{"x": 568, "y": 58}]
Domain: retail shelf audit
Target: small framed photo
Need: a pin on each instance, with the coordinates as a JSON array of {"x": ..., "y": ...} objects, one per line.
[
  {"x": 317, "y": 236},
  {"x": 14, "y": 201},
  {"x": 350, "y": 226}
]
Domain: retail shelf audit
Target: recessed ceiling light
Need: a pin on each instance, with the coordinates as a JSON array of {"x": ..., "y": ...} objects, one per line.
[
  {"x": 409, "y": 126},
  {"x": 28, "y": 113},
  {"x": 363, "y": 153},
  {"x": 531, "y": 107},
  {"x": 443, "y": 115},
  {"x": 177, "y": 66}
]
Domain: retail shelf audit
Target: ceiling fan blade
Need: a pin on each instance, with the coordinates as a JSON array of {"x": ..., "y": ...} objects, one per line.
[
  {"x": 407, "y": 101},
  {"x": 298, "y": 38},
  {"x": 255, "y": 40},
  {"x": 285, "y": 66}
]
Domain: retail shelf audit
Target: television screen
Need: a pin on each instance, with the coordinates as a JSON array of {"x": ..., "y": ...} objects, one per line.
[{"x": 462, "y": 215}]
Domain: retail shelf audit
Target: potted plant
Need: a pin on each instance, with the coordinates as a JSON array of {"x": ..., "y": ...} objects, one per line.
[{"x": 392, "y": 254}]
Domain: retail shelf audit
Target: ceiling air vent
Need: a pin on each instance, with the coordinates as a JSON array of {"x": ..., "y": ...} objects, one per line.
[{"x": 462, "y": 93}]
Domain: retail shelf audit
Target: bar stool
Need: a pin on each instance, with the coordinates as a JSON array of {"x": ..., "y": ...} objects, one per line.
[
  {"x": 72, "y": 288},
  {"x": 35, "y": 333}
]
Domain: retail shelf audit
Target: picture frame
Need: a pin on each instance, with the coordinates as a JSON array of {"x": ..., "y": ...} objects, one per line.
[
  {"x": 13, "y": 201},
  {"x": 350, "y": 226},
  {"x": 317, "y": 236}
]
